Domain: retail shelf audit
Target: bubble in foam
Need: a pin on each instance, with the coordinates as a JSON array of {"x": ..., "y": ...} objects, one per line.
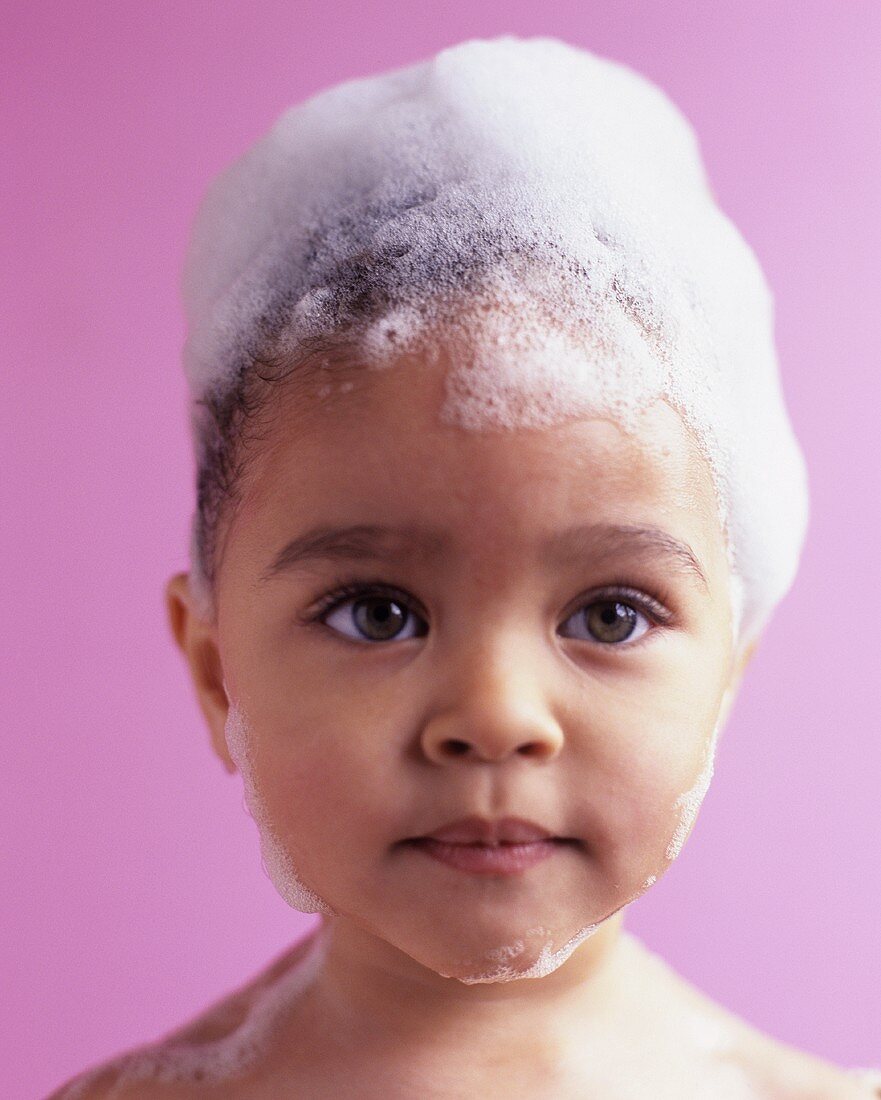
[
  {"x": 540, "y": 200},
  {"x": 277, "y": 862},
  {"x": 394, "y": 333}
]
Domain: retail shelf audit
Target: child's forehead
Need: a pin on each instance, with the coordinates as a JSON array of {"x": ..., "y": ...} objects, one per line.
[{"x": 387, "y": 435}]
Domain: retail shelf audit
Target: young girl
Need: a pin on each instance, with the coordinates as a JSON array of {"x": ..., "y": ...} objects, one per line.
[{"x": 496, "y": 493}]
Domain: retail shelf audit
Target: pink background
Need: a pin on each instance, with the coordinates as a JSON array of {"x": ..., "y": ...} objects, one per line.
[{"x": 133, "y": 892}]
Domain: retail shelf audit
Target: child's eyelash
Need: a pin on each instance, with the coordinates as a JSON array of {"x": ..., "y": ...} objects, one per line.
[
  {"x": 347, "y": 589},
  {"x": 657, "y": 609}
]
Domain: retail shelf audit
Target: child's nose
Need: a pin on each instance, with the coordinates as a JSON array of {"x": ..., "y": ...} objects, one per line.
[{"x": 498, "y": 710}]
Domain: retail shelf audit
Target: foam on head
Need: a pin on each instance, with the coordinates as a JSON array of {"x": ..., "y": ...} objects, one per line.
[{"x": 563, "y": 197}]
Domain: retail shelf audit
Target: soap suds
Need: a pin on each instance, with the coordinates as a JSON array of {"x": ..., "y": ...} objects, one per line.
[
  {"x": 277, "y": 862},
  {"x": 540, "y": 202},
  {"x": 689, "y": 803},
  {"x": 280, "y": 869},
  {"x": 180, "y": 1061},
  {"x": 546, "y": 963}
]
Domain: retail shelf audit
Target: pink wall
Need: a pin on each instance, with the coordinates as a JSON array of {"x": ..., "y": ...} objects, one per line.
[{"x": 136, "y": 889}]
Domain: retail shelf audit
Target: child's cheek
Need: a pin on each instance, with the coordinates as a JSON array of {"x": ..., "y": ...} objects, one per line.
[
  {"x": 689, "y": 802},
  {"x": 262, "y": 782},
  {"x": 649, "y": 808}
]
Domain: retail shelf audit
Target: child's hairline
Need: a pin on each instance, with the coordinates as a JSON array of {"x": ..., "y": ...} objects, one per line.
[{"x": 341, "y": 352}]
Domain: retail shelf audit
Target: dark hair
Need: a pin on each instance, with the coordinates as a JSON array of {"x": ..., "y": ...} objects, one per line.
[
  {"x": 364, "y": 287},
  {"x": 226, "y": 426}
]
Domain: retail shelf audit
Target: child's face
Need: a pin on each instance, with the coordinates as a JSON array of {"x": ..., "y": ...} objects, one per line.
[{"x": 477, "y": 679}]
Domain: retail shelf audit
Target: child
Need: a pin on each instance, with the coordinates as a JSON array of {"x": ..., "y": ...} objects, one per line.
[{"x": 496, "y": 493}]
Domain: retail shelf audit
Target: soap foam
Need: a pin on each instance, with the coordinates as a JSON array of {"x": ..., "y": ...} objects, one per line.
[
  {"x": 690, "y": 802},
  {"x": 537, "y": 200},
  {"x": 181, "y": 1061},
  {"x": 277, "y": 862},
  {"x": 280, "y": 869},
  {"x": 547, "y": 962}
]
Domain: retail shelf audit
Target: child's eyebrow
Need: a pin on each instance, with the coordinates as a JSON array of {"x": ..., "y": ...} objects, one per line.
[{"x": 374, "y": 542}]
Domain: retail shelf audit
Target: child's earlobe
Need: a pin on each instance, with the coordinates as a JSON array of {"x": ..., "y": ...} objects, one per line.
[
  {"x": 228, "y": 764},
  {"x": 196, "y": 641},
  {"x": 176, "y": 601}
]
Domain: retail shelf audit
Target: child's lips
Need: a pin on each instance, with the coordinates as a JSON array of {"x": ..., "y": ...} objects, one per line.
[
  {"x": 503, "y": 846},
  {"x": 480, "y": 830},
  {"x": 504, "y": 858}
]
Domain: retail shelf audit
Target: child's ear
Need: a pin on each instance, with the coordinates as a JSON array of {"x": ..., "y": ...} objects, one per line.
[{"x": 196, "y": 640}]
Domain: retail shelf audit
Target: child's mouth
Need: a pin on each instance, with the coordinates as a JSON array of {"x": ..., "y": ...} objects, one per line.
[{"x": 501, "y": 858}]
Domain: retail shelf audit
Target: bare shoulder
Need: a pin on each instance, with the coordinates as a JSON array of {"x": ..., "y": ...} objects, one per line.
[
  {"x": 219, "y": 1050},
  {"x": 107, "y": 1081},
  {"x": 741, "y": 1058},
  {"x": 776, "y": 1070},
  {"x": 785, "y": 1072},
  {"x": 134, "y": 1075}
]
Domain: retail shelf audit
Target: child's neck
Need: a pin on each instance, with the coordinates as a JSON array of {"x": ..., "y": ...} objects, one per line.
[{"x": 371, "y": 991}]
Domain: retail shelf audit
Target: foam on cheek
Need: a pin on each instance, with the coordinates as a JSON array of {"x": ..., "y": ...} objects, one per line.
[
  {"x": 689, "y": 803},
  {"x": 276, "y": 860}
]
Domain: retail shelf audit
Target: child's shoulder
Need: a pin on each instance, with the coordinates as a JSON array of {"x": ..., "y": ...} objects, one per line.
[
  {"x": 108, "y": 1082},
  {"x": 151, "y": 1071},
  {"x": 778, "y": 1071},
  {"x": 782, "y": 1072},
  {"x": 740, "y": 1057},
  {"x": 219, "y": 1050}
]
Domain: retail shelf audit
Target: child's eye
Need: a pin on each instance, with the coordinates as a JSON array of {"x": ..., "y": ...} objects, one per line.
[
  {"x": 610, "y": 621},
  {"x": 378, "y": 613}
]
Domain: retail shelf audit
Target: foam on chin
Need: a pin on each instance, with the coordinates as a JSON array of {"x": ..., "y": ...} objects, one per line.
[
  {"x": 549, "y": 959},
  {"x": 280, "y": 869}
]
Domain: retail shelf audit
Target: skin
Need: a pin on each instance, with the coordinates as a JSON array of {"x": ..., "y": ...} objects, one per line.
[{"x": 502, "y": 703}]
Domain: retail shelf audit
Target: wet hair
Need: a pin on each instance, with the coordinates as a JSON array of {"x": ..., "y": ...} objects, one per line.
[
  {"x": 229, "y": 422},
  {"x": 556, "y": 199},
  {"x": 228, "y": 426}
]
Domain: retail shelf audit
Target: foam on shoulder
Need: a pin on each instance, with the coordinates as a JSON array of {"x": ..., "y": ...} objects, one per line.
[{"x": 183, "y": 1061}]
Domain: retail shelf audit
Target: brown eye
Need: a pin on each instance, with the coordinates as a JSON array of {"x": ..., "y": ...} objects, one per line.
[
  {"x": 376, "y": 618},
  {"x": 379, "y": 618},
  {"x": 609, "y": 622}
]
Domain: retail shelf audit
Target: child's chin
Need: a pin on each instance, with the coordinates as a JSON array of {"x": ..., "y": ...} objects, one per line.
[
  {"x": 505, "y": 956},
  {"x": 508, "y": 964}
]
